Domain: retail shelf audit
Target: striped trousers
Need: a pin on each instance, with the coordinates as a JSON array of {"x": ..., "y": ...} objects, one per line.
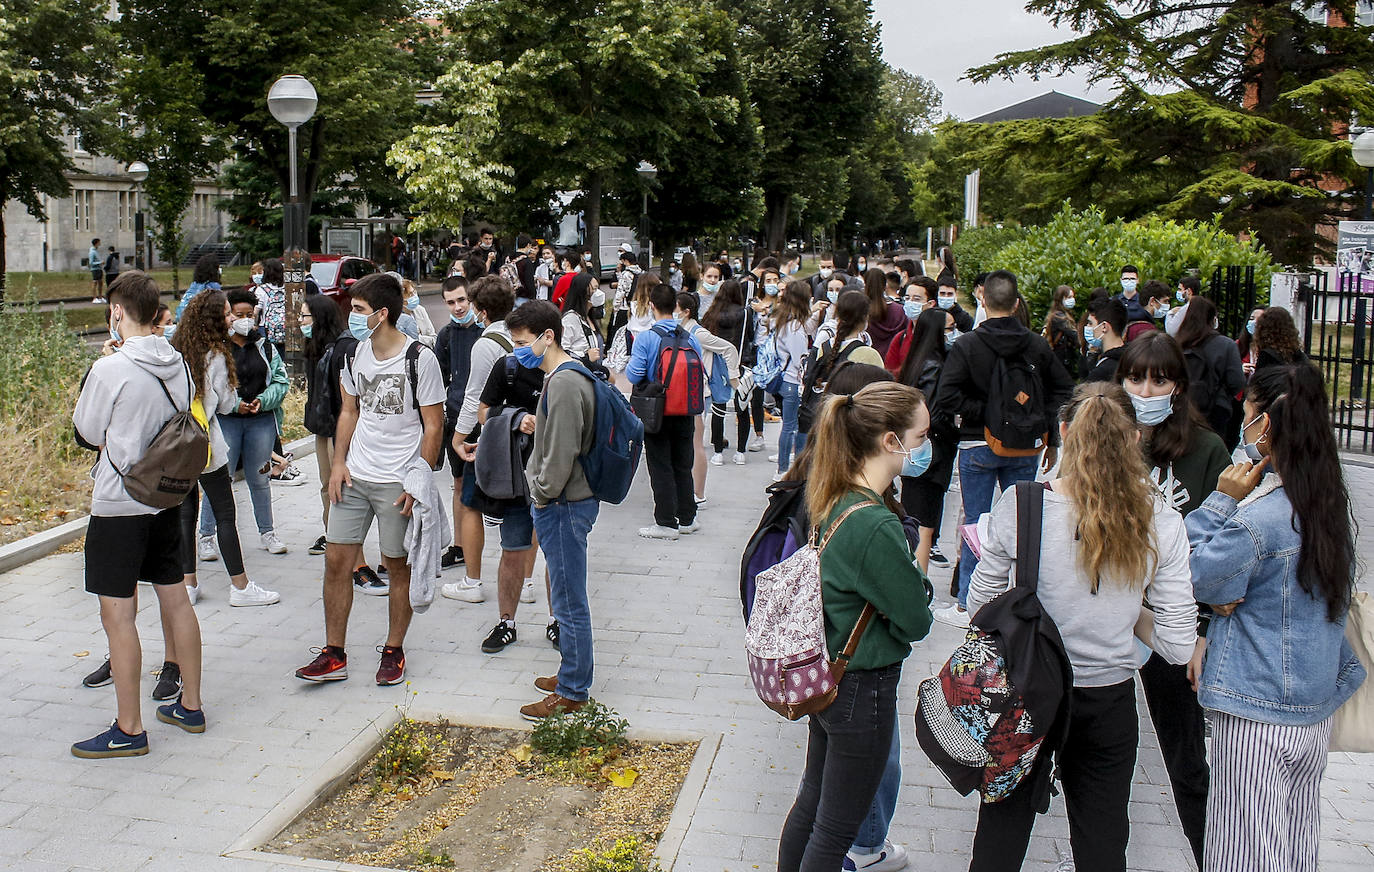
[{"x": 1262, "y": 812}]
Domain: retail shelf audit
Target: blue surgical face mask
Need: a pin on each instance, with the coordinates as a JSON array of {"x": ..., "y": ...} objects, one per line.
[
  {"x": 307, "y": 329},
  {"x": 949, "y": 339},
  {"x": 1180, "y": 296},
  {"x": 771, "y": 290},
  {"x": 917, "y": 459},
  {"x": 1251, "y": 449},
  {"x": 413, "y": 302},
  {"x": 1128, "y": 286},
  {"x": 1250, "y": 326},
  {"x": 833, "y": 297},
  {"x": 257, "y": 279},
  {"x": 912, "y": 309},
  {"x": 464, "y": 320},
  {"x": 945, "y": 302},
  {"x": 710, "y": 287},
  {"x": 1069, "y": 302},
  {"x": 1094, "y": 337},
  {"x": 525, "y": 356},
  {"x": 357, "y": 325},
  {"x": 169, "y": 331},
  {"x": 1151, "y": 411}
]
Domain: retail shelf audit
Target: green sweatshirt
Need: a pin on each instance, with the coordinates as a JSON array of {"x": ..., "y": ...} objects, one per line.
[
  {"x": 564, "y": 427},
  {"x": 1190, "y": 479},
  {"x": 868, "y": 560}
]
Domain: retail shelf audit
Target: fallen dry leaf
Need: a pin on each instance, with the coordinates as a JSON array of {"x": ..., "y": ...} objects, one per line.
[
  {"x": 523, "y": 753},
  {"x": 621, "y": 777},
  {"x": 9, "y": 520},
  {"x": 82, "y": 654}
]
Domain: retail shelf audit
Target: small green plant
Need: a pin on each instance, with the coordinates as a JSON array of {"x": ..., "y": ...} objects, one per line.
[
  {"x": 408, "y": 754},
  {"x": 591, "y": 728},
  {"x": 426, "y": 857},
  {"x": 629, "y": 854}
]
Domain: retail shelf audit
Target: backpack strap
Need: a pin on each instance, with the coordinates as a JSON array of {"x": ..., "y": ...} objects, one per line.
[
  {"x": 1030, "y": 515},
  {"x": 413, "y": 371},
  {"x": 676, "y": 336},
  {"x": 841, "y": 662}
]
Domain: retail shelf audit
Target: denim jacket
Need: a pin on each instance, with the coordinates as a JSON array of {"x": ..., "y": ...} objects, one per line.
[{"x": 1276, "y": 659}]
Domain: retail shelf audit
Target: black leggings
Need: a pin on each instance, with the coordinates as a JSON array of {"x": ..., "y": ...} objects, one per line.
[
  {"x": 1178, "y": 721},
  {"x": 719, "y": 412},
  {"x": 220, "y": 491},
  {"x": 756, "y": 405}
]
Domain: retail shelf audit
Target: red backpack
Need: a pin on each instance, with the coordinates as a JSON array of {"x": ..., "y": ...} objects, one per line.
[
  {"x": 680, "y": 371},
  {"x": 896, "y": 352}
]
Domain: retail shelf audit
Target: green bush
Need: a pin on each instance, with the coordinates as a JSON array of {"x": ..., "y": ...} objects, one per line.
[
  {"x": 976, "y": 250},
  {"x": 1085, "y": 250},
  {"x": 591, "y": 728},
  {"x": 626, "y": 855}
]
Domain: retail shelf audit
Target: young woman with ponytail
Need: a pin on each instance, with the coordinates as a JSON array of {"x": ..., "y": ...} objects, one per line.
[
  {"x": 1109, "y": 541},
  {"x": 1274, "y": 552},
  {"x": 860, "y": 442},
  {"x": 1185, "y": 459}
]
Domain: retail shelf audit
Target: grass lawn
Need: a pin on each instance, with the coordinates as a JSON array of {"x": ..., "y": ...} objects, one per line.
[{"x": 61, "y": 285}]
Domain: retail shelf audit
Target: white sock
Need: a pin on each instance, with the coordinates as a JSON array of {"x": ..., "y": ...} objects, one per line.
[
  {"x": 529, "y": 580},
  {"x": 472, "y": 581}
]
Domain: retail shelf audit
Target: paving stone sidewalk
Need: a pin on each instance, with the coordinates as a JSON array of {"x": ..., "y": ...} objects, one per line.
[{"x": 668, "y": 656}]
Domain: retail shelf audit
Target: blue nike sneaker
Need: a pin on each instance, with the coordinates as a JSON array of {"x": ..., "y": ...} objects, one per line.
[
  {"x": 114, "y": 742},
  {"x": 178, "y": 715}
]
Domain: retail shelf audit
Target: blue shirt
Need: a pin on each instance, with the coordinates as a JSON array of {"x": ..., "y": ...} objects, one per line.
[{"x": 643, "y": 365}]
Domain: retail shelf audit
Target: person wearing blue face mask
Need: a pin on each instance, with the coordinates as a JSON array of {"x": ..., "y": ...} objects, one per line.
[
  {"x": 1062, "y": 333},
  {"x": 1130, "y": 297},
  {"x": 1102, "y": 334},
  {"x": 923, "y": 496},
  {"x": 1185, "y": 459},
  {"x": 453, "y": 346},
  {"x": 1188, "y": 287},
  {"x": 947, "y": 298},
  {"x": 1214, "y": 363}
]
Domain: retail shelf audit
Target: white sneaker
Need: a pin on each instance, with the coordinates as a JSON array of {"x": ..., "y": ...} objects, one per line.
[
  {"x": 889, "y": 859},
  {"x": 657, "y": 532},
  {"x": 252, "y": 595},
  {"x": 951, "y": 615},
  {"x": 465, "y": 590},
  {"x": 272, "y": 544},
  {"x": 206, "y": 549},
  {"x": 739, "y": 458},
  {"x": 1066, "y": 865},
  {"x": 688, "y": 529},
  {"x": 777, "y": 476},
  {"x": 193, "y": 591},
  {"x": 717, "y": 459},
  {"x": 772, "y": 458},
  {"x": 756, "y": 444},
  {"x": 527, "y": 592}
]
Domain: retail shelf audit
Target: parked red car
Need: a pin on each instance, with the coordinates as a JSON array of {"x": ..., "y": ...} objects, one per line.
[{"x": 337, "y": 273}]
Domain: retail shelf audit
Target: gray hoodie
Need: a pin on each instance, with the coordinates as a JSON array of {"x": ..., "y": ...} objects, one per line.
[{"x": 121, "y": 409}]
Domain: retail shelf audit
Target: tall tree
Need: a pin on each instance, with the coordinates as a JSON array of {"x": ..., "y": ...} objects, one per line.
[
  {"x": 1237, "y": 108},
  {"x": 814, "y": 70},
  {"x": 588, "y": 88},
  {"x": 54, "y": 75}
]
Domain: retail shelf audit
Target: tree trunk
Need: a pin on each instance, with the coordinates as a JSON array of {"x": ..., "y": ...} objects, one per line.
[
  {"x": 2, "y": 252},
  {"x": 591, "y": 218},
  {"x": 775, "y": 204}
]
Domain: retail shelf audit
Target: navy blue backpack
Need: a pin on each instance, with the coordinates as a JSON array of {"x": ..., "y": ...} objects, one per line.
[{"x": 610, "y": 465}]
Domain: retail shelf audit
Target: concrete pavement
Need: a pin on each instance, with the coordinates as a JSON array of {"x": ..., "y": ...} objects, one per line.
[{"x": 669, "y": 657}]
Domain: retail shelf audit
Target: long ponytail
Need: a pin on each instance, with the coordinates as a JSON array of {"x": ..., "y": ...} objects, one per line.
[
  {"x": 1303, "y": 452},
  {"x": 1105, "y": 472},
  {"x": 847, "y": 433}
]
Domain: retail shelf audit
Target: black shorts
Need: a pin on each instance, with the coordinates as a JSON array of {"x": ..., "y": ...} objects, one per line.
[{"x": 122, "y": 550}]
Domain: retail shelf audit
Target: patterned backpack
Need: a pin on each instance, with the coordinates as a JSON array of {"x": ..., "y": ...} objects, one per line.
[
  {"x": 785, "y": 638},
  {"x": 1001, "y": 700}
]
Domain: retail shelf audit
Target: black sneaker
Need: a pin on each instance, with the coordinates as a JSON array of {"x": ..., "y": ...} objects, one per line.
[
  {"x": 366, "y": 581},
  {"x": 168, "y": 682},
  {"x": 452, "y": 557},
  {"x": 551, "y": 633},
  {"x": 501, "y": 635},
  {"x": 381, "y": 569},
  {"x": 100, "y": 677},
  {"x": 318, "y": 548},
  {"x": 938, "y": 559}
]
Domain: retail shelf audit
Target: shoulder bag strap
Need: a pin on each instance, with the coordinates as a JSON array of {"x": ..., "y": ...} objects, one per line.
[
  {"x": 672, "y": 361},
  {"x": 1030, "y": 514},
  {"x": 841, "y": 662}
]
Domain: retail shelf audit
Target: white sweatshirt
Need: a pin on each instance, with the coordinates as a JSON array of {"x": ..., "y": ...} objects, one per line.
[{"x": 1097, "y": 628}]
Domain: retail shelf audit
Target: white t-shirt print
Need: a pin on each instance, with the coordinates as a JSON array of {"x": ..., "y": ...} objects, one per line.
[{"x": 389, "y": 429}]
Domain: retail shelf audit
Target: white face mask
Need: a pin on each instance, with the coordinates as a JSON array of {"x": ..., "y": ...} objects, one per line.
[
  {"x": 598, "y": 298},
  {"x": 242, "y": 326}
]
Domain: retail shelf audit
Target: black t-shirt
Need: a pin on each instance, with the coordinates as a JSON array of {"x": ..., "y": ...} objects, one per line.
[
  {"x": 251, "y": 369},
  {"x": 513, "y": 386}
]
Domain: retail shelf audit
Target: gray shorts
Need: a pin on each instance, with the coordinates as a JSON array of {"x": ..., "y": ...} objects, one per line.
[{"x": 351, "y": 517}]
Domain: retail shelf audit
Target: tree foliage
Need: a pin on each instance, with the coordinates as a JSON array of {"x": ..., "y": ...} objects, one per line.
[
  {"x": 1231, "y": 108},
  {"x": 54, "y": 74}
]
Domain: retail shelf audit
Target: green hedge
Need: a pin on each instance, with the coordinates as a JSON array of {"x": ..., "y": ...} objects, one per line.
[{"x": 1085, "y": 250}]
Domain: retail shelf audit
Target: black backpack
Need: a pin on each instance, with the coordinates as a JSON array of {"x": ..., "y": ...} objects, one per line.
[
  {"x": 781, "y": 531},
  {"x": 1014, "y": 421},
  {"x": 1202, "y": 385},
  {"x": 820, "y": 366}
]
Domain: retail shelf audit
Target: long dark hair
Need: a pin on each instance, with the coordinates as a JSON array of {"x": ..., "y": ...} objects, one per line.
[
  {"x": 1158, "y": 354},
  {"x": 1303, "y": 453},
  {"x": 1197, "y": 323},
  {"x": 579, "y": 296},
  {"x": 927, "y": 342},
  {"x": 875, "y": 286},
  {"x": 851, "y": 314},
  {"x": 1245, "y": 339},
  {"x": 727, "y": 301},
  {"x": 326, "y": 325},
  {"x": 206, "y": 270},
  {"x": 201, "y": 333}
]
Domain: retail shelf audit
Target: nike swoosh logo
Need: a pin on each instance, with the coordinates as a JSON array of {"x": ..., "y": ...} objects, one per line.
[{"x": 113, "y": 746}]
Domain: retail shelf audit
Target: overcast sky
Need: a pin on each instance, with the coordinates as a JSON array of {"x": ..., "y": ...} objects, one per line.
[{"x": 940, "y": 40}]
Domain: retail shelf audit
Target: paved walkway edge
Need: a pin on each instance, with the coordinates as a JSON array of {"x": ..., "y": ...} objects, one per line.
[
  {"x": 45, "y": 542},
  {"x": 688, "y": 797}
]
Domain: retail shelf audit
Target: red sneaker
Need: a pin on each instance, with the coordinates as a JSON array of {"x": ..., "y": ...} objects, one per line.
[
  {"x": 393, "y": 667},
  {"x": 330, "y": 665}
]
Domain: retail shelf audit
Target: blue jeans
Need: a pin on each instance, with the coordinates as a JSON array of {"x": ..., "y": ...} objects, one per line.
[
  {"x": 873, "y": 832},
  {"x": 251, "y": 439},
  {"x": 563, "y": 528},
  {"x": 980, "y": 471},
  {"x": 790, "y": 442}
]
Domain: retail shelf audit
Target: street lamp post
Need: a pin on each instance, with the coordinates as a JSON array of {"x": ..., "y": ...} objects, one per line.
[
  {"x": 292, "y": 101},
  {"x": 647, "y": 172},
  {"x": 138, "y": 171},
  {"x": 1362, "y": 149}
]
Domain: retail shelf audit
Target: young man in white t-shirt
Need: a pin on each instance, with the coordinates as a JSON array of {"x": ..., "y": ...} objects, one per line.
[{"x": 388, "y": 423}]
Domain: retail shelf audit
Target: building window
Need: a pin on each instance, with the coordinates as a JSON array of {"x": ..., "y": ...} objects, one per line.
[
  {"x": 78, "y": 144},
  {"x": 201, "y": 210},
  {"x": 1364, "y": 13},
  {"x": 81, "y": 208},
  {"x": 128, "y": 207}
]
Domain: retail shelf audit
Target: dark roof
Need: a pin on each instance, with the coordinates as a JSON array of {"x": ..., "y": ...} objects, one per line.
[{"x": 1051, "y": 105}]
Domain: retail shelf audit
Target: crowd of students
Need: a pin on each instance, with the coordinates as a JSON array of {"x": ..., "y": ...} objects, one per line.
[{"x": 882, "y": 383}]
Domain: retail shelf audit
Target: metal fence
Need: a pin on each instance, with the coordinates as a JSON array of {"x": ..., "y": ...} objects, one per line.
[
  {"x": 1233, "y": 291},
  {"x": 1337, "y": 331}
]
